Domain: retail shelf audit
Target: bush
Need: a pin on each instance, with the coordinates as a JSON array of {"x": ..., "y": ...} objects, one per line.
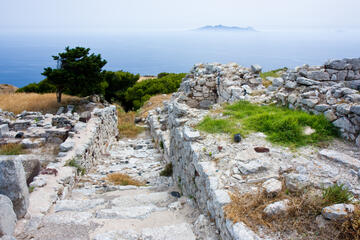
[
  {"x": 337, "y": 194},
  {"x": 42, "y": 87},
  {"x": 118, "y": 82},
  {"x": 136, "y": 96},
  {"x": 281, "y": 125}
]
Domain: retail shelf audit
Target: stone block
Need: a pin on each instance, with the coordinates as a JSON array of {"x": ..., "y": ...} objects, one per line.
[
  {"x": 13, "y": 184},
  {"x": 7, "y": 216}
]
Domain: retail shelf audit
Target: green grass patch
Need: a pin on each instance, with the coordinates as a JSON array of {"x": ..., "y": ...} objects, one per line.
[
  {"x": 273, "y": 73},
  {"x": 167, "y": 171},
  {"x": 11, "y": 149},
  {"x": 281, "y": 125},
  {"x": 337, "y": 194}
]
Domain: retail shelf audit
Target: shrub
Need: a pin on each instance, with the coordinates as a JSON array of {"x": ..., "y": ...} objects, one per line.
[
  {"x": 281, "y": 125},
  {"x": 136, "y": 96},
  {"x": 11, "y": 149},
  {"x": 167, "y": 171},
  {"x": 337, "y": 194},
  {"x": 122, "y": 179}
]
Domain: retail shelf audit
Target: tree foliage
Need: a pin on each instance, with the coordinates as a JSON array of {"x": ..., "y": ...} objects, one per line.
[
  {"x": 42, "y": 87},
  {"x": 118, "y": 82},
  {"x": 80, "y": 72},
  {"x": 137, "y": 95}
]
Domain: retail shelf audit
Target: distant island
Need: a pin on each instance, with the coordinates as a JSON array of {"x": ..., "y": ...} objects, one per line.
[{"x": 225, "y": 28}]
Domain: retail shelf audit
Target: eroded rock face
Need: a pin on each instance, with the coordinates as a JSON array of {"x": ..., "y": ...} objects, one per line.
[
  {"x": 13, "y": 185},
  {"x": 7, "y": 216}
]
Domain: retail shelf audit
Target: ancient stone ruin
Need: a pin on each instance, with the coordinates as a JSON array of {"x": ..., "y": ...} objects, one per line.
[{"x": 71, "y": 156}]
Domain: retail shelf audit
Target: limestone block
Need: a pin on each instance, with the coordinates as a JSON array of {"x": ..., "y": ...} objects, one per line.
[
  {"x": 13, "y": 184},
  {"x": 7, "y": 216},
  {"x": 277, "y": 208},
  {"x": 306, "y": 81},
  {"x": 272, "y": 187},
  {"x": 337, "y": 212}
]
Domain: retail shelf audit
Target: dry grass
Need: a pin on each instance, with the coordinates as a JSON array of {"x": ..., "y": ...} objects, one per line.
[
  {"x": 7, "y": 88},
  {"x": 11, "y": 149},
  {"x": 301, "y": 216},
  {"x": 122, "y": 179},
  {"x": 46, "y": 103},
  {"x": 126, "y": 124},
  {"x": 152, "y": 103}
]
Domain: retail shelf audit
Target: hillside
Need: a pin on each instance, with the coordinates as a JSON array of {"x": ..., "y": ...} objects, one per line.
[{"x": 7, "y": 88}]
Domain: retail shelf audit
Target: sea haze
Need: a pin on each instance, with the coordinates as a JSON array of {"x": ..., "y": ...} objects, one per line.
[{"x": 23, "y": 56}]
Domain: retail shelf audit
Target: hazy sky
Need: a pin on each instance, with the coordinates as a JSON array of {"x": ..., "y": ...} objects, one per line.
[{"x": 177, "y": 14}]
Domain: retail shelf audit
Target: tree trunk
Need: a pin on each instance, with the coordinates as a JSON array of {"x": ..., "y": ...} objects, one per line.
[{"x": 58, "y": 95}]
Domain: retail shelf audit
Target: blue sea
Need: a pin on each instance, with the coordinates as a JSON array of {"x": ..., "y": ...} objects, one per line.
[{"x": 24, "y": 55}]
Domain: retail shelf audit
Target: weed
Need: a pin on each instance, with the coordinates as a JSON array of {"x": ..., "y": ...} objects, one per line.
[
  {"x": 281, "y": 125},
  {"x": 31, "y": 189},
  {"x": 123, "y": 179},
  {"x": 11, "y": 149},
  {"x": 337, "y": 194},
  {"x": 350, "y": 229},
  {"x": 79, "y": 168},
  {"x": 210, "y": 154},
  {"x": 168, "y": 170}
]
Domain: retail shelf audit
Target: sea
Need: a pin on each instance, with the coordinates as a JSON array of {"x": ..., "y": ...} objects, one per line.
[{"x": 24, "y": 54}]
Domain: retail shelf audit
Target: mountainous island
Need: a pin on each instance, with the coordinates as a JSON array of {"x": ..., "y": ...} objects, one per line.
[{"x": 226, "y": 28}]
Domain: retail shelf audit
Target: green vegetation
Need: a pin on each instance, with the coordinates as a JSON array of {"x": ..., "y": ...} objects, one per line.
[
  {"x": 281, "y": 125},
  {"x": 42, "y": 87},
  {"x": 118, "y": 82},
  {"x": 31, "y": 189},
  {"x": 11, "y": 149},
  {"x": 126, "y": 124},
  {"x": 337, "y": 194},
  {"x": 142, "y": 91},
  {"x": 168, "y": 170},
  {"x": 79, "y": 168},
  {"x": 273, "y": 73}
]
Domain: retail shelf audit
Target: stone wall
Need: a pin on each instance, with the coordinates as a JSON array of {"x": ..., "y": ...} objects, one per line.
[
  {"x": 331, "y": 89},
  {"x": 195, "y": 175}
]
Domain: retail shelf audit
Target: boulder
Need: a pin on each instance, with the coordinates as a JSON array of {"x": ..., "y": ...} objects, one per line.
[
  {"x": 319, "y": 75},
  {"x": 272, "y": 187},
  {"x": 344, "y": 123},
  {"x": 306, "y": 81},
  {"x": 336, "y": 64},
  {"x": 4, "y": 130},
  {"x": 277, "y": 208},
  {"x": 13, "y": 185},
  {"x": 337, "y": 212},
  {"x": 7, "y": 216}
]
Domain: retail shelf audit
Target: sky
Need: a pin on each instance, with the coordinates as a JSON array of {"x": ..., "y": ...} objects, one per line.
[{"x": 176, "y": 14}]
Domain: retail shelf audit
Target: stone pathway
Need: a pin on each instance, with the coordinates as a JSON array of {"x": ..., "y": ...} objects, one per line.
[{"x": 100, "y": 210}]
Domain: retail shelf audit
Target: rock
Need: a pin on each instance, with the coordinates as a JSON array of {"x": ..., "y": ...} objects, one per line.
[
  {"x": 355, "y": 109},
  {"x": 322, "y": 107},
  {"x": 7, "y": 216},
  {"x": 295, "y": 182},
  {"x": 205, "y": 104},
  {"x": 335, "y": 64},
  {"x": 240, "y": 231},
  {"x": 256, "y": 68},
  {"x": 290, "y": 85},
  {"x": 7, "y": 237},
  {"x": 175, "y": 194},
  {"x": 319, "y": 75},
  {"x": 32, "y": 165},
  {"x": 39, "y": 181},
  {"x": 272, "y": 187},
  {"x": 13, "y": 185},
  {"x": 4, "y": 130},
  {"x": 344, "y": 123},
  {"x": 61, "y": 122},
  {"x": 237, "y": 138},
  {"x": 306, "y": 81},
  {"x": 190, "y": 134},
  {"x": 60, "y": 110},
  {"x": 261, "y": 150},
  {"x": 85, "y": 117},
  {"x": 70, "y": 108},
  {"x": 337, "y": 212},
  {"x": 330, "y": 115},
  {"x": 311, "y": 102},
  {"x": 79, "y": 126},
  {"x": 340, "y": 158},
  {"x": 343, "y": 109},
  {"x": 35, "y": 143},
  {"x": 251, "y": 167},
  {"x": 67, "y": 145},
  {"x": 278, "y": 82},
  {"x": 277, "y": 208},
  {"x": 308, "y": 130},
  {"x": 19, "y": 135}
]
